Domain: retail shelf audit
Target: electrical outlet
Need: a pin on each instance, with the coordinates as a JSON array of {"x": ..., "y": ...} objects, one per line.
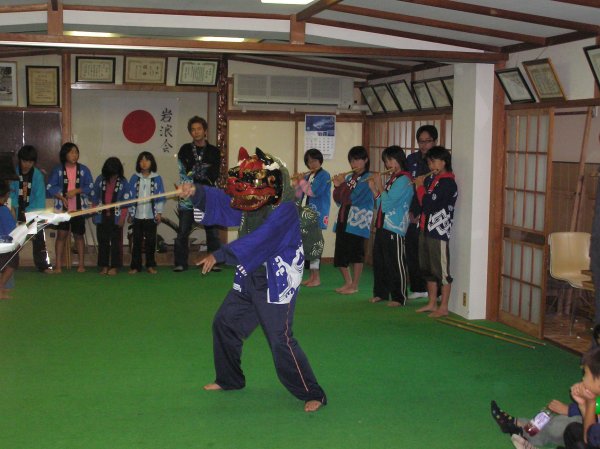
[{"x": 464, "y": 299}]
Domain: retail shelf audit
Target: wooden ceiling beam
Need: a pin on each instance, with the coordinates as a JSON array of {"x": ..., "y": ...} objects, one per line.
[
  {"x": 333, "y": 65},
  {"x": 315, "y": 9},
  {"x": 422, "y": 21},
  {"x": 405, "y": 34},
  {"x": 376, "y": 62},
  {"x": 277, "y": 63},
  {"x": 55, "y": 17},
  {"x": 509, "y": 15},
  {"x": 24, "y": 8},
  {"x": 184, "y": 45},
  {"x": 554, "y": 40},
  {"x": 416, "y": 68},
  {"x": 590, "y": 3}
]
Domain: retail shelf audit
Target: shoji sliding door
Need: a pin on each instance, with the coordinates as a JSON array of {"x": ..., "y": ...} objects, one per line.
[{"x": 526, "y": 202}]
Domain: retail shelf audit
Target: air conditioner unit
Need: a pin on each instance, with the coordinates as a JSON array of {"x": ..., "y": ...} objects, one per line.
[{"x": 293, "y": 90}]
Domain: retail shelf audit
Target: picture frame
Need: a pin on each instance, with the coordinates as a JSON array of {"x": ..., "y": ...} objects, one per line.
[
  {"x": 90, "y": 69},
  {"x": 372, "y": 100},
  {"x": 387, "y": 100},
  {"x": 543, "y": 78},
  {"x": 593, "y": 56},
  {"x": 514, "y": 85},
  {"x": 42, "y": 86},
  {"x": 8, "y": 83},
  {"x": 145, "y": 70},
  {"x": 423, "y": 95},
  {"x": 197, "y": 72},
  {"x": 404, "y": 96},
  {"x": 438, "y": 92},
  {"x": 449, "y": 85}
]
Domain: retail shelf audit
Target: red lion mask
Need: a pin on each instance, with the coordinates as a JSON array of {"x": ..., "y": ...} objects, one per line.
[{"x": 255, "y": 182}]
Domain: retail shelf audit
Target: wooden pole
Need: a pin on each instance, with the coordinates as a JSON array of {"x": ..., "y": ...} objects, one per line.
[
  {"x": 487, "y": 334},
  {"x": 93, "y": 210},
  {"x": 466, "y": 323},
  {"x": 582, "y": 158}
]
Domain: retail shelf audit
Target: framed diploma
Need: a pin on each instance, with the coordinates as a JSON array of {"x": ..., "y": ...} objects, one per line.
[
  {"x": 439, "y": 94},
  {"x": 145, "y": 70},
  {"x": 196, "y": 72},
  {"x": 94, "y": 70},
  {"x": 386, "y": 98},
  {"x": 544, "y": 80},
  {"x": 593, "y": 56},
  {"x": 42, "y": 86},
  {"x": 372, "y": 100},
  {"x": 404, "y": 96},
  {"x": 423, "y": 95},
  {"x": 449, "y": 85},
  {"x": 8, "y": 83},
  {"x": 514, "y": 85}
]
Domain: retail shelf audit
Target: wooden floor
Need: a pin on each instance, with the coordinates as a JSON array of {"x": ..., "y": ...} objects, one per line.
[{"x": 556, "y": 329}]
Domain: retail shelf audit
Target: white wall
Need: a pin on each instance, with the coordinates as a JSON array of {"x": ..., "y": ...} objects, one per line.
[{"x": 22, "y": 63}]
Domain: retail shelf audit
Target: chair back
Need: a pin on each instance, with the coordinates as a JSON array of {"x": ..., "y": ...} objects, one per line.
[{"x": 569, "y": 255}]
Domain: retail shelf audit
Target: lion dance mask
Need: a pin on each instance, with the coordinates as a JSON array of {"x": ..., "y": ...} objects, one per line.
[{"x": 255, "y": 182}]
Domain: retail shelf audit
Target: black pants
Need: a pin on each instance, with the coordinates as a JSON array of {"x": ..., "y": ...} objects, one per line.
[
  {"x": 143, "y": 229},
  {"x": 110, "y": 245},
  {"x": 411, "y": 241},
  {"x": 573, "y": 437},
  {"x": 181, "y": 249},
  {"x": 40, "y": 253},
  {"x": 389, "y": 266},
  {"x": 237, "y": 318}
]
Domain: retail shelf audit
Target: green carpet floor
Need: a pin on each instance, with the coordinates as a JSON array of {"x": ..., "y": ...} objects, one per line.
[{"x": 118, "y": 363}]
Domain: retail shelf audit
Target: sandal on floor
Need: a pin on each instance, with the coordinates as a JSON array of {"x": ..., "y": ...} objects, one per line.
[{"x": 506, "y": 422}]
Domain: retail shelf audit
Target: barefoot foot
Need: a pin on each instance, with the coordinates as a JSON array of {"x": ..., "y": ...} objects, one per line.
[
  {"x": 343, "y": 287},
  {"x": 312, "y": 406},
  {"x": 81, "y": 269},
  {"x": 426, "y": 309},
  {"x": 212, "y": 387},
  {"x": 394, "y": 304},
  {"x": 348, "y": 291},
  {"x": 375, "y": 299},
  {"x": 438, "y": 313},
  {"x": 312, "y": 284}
]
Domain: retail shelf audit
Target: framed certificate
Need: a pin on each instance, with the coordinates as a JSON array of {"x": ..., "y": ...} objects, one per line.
[
  {"x": 42, "y": 86},
  {"x": 8, "y": 83},
  {"x": 145, "y": 70},
  {"x": 404, "y": 96},
  {"x": 372, "y": 100},
  {"x": 386, "y": 98},
  {"x": 544, "y": 80},
  {"x": 439, "y": 94},
  {"x": 197, "y": 72},
  {"x": 94, "y": 70},
  {"x": 593, "y": 56},
  {"x": 514, "y": 85},
  {"x": 449, "y": 85},
  {"x": 423, "y": 95}
]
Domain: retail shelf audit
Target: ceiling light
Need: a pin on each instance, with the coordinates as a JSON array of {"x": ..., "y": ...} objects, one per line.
[
  {"x": 288, "y": 2},
  {"x": 220, "y": 39},
  {"x": 89, "y": 34}
]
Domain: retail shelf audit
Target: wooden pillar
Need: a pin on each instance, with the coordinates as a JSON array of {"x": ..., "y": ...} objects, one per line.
[
  {"x": 297, "y": 31},
  {"x": 55, "y": 17},
  {"x": 66, "y": 98}
]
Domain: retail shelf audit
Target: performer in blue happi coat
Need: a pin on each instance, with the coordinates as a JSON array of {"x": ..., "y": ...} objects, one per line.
[{"x": 269, "y": 261}]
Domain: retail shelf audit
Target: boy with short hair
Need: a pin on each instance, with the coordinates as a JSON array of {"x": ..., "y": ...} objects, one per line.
[{"x": 29, "y": 193}]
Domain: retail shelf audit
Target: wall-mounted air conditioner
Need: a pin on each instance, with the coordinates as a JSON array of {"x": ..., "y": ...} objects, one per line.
[{"x": 292, "y": 90}]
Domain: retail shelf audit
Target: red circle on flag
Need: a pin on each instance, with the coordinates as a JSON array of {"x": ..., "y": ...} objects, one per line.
[{"x": 139, "y": 126}]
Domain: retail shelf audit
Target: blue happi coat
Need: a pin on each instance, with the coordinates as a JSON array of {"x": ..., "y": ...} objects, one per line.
[{"x": 276, "y": 244}]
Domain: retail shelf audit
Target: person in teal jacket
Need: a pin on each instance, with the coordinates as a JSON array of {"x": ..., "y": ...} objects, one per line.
[
  {"x": 392, "y": 202},
  {"x": 29, "y": 193}
]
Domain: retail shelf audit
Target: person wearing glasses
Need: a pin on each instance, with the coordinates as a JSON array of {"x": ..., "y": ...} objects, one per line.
[{"x": 416, "y": 164}]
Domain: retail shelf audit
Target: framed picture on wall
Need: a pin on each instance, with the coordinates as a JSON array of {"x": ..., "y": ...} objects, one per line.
[
  {"x": 449, "y": 85},
  {"x": 439, "y": 95},
  {"x": 423, "y": 95},
  {"x": 386, "y": 98},
  {"x": 197, "y": 72},
  {"x": 544, "y": 80},
  {"x": 514, "y": 85},
  {"x": 372, "y": 100},
  {"x": 94, "y": 70},
  {"x": 8, "y": 83},
  {"x": 42, "y": 86},
  {"x": 593, "y": 56},
  {"x": 404, "y": 96},
  {"x": 145, "y": 70}
]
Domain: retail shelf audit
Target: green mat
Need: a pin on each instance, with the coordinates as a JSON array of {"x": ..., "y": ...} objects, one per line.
[{"x": 90, "y": 361}]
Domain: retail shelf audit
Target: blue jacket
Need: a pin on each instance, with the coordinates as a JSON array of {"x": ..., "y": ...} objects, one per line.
[
  {"x": 276, "y": 244},
  {"x": 37, "y": 195},
  {"x": 395, "y": 203},
  {"x": 56, "y": 185},
  {"x": 122, "y": 195},
  {"x": 360, "y": 204},
  {"x": 156, "y": 187},
  {"x": 321, "y": 198}
]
